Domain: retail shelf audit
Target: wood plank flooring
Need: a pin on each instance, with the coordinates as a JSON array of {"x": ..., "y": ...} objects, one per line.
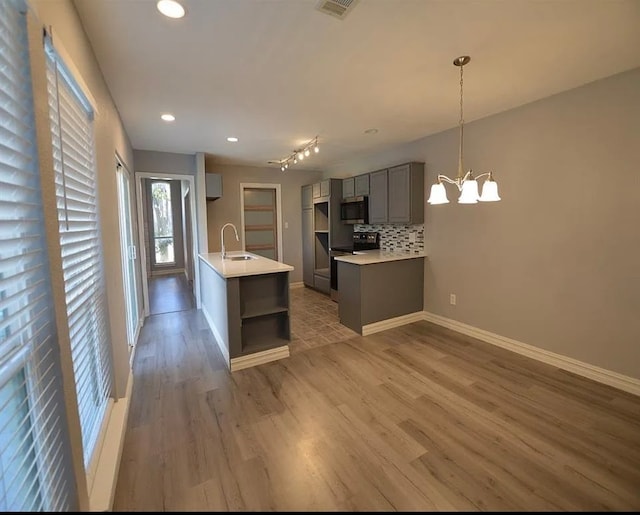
[
  {"x": 415, "y": 418},
  {"x": 169, "y": 293}
]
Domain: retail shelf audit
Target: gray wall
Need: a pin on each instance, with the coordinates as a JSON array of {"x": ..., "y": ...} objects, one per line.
[
  {"x": 555, "y": 264},
  {"x": 153, "y": 161},
  {"x": 227, "y": 208}
]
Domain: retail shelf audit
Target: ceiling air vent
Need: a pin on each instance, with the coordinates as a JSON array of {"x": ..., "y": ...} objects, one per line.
[{"x": 337, "y": 8}]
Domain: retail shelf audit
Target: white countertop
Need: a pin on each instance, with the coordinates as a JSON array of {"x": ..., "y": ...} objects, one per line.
[
  {"x": 369, "y": 257},
  {"x": 227, "y": 268}
]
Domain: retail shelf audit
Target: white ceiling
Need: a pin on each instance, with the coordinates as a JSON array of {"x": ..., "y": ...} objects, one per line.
[{"x": 276, "y": 73}]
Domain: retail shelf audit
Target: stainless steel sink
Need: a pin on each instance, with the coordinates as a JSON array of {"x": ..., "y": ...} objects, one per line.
[{"x": 243, "y": 257}]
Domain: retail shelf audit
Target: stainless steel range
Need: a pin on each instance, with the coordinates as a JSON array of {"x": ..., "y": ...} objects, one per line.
[{"x": 361, "y": 241}]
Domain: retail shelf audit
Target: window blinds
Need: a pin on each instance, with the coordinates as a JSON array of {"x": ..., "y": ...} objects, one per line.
[
  {"x": 35, "y": 461},
  {"x": 71, "y": 119}
]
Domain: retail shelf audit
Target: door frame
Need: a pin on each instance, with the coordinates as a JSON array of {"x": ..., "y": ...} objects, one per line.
[
  {"x": 266, "y": 186},
  {"x": 141, "y": 217},
  {"x": 126, "y": 252}
]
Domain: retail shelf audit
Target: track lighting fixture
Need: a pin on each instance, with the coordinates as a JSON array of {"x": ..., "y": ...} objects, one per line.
[{"x": 298, "y": 154}]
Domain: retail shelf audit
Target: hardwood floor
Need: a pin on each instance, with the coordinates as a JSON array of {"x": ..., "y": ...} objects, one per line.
[
  {"x": 169, "y": 293},
  {"x": 414, "y": 418}
]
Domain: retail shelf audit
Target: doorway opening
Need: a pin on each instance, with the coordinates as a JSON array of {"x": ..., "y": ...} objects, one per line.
[
  {"x": 168, "y": 254},
  {"x": 261, "y": 219}
]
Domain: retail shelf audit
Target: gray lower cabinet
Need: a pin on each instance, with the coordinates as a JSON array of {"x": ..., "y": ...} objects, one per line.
[
  {"x": 379, "y": 291},
  {"x": 378, "y": 197},
  {"x": 361, "y": 185},
  {"x": 307, "y": 247},
  {"x": 405, "y": 185},
  {"x": 348, "y": 187}
]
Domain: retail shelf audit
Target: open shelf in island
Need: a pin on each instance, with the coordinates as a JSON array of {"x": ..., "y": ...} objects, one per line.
[{"x": 265, "y": 332}]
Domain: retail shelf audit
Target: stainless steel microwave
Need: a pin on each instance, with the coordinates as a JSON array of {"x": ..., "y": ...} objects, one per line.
[{"x": 355, "y": 210}]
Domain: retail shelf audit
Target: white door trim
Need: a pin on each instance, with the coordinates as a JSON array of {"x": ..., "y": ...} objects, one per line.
[
  {"x": 243, "y": 186},
  {"x": 125, "y": 253},
  {"x": 194, "y": 230}
]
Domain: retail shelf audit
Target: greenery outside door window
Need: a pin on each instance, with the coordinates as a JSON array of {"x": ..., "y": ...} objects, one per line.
[{"x": 163, "y": 236}]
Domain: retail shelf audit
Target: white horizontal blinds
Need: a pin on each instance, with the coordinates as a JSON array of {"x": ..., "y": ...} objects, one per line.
[
  {"x": 35, "y": 459},
  {"x": 71, "y": 120}
]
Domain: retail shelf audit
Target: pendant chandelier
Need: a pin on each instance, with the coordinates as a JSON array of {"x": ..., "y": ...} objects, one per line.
[{"x": 467, "y": 184}]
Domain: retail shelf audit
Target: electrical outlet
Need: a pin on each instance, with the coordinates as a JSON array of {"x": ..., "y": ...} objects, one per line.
[
  {"x": 452, "y": 299},
  {"x": 286, "y": 225},
  {"x": 412, "y": 237}
]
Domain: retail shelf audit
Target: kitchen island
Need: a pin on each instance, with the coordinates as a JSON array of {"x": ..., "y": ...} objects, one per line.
[
  {"x": 245, "y": 299},
  {"x": 380, "y": 289}
]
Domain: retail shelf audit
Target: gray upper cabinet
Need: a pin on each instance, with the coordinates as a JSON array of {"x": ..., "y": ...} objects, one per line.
[
  {"x": 213, "y": 185},
  {"x": 361, "y": 185},
  {"x": 324, "y": 188},
  {"x": 378, "y": 197},
  {"x": 347, "y": 187},
  {"x": 406, "y": 191},
  {"x": 307, "y": 196},
  {"x": 316, "y": 190}
]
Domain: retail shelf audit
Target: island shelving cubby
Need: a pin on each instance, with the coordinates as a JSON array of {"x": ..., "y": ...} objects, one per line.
[
  {"x": 246, "y": 304},
  {"x": 264, "y": 312}
]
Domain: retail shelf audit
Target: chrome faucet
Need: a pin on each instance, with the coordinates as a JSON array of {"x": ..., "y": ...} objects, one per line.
[{"x": 224, "y": 254}]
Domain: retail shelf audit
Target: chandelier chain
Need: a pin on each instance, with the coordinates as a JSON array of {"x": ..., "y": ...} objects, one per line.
[{"x": 461, "y": 122}]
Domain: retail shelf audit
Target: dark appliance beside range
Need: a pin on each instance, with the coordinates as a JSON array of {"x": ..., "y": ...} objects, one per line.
[
  {"x": 355, "y": 210},
  {"x": 361, "y": 241}
]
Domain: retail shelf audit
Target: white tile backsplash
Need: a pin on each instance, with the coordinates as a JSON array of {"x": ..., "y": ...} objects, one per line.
[{"x": 397, "y": 237}]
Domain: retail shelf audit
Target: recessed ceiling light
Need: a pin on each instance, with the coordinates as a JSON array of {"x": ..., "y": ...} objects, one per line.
[
  {"x": 371, "y": 131},
  {"x": 170, "y": 8},
  {"x": 232, "y": 139},
  {"x": 168, "y": 117}
]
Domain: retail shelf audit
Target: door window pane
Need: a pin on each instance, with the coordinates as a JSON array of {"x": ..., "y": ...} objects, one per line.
[
  {"x": 162, "y": 223},
  {"x": 260, "y": 229}
]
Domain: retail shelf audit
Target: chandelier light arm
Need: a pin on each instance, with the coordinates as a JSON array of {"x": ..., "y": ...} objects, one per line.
[
  {"x": 487, "y": 174},
  {"x": 446, "y": 179}
]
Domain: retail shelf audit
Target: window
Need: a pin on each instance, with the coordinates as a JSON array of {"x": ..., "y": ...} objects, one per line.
[
  {"x": 36, "y": 471},
  {"x": 71, "y": 120},
  {"x": 163, "y": 236}
]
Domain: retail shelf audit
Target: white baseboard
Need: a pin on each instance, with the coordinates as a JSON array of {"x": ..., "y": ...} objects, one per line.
[
  {"x": 258, "y": 358},
  {"x": 299, "y": 284},
  {"x": 216, "y": 336},
  {"x": 132, "y": 355},
  {"x": 106, "y": 471},
  {"x": 392, "y": 322},
  {"x": 601, "y": 375}
]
